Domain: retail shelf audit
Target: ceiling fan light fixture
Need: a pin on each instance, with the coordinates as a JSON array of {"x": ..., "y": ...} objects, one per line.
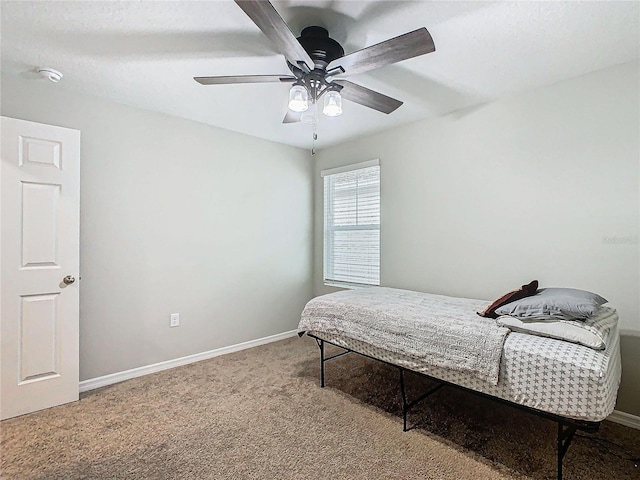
[
  {"x": 332, "y": 104},
  {"x": 298, "y": 98}
]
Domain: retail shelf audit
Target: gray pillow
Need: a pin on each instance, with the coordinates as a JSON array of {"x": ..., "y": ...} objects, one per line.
[{"x": 560, "y": 303}]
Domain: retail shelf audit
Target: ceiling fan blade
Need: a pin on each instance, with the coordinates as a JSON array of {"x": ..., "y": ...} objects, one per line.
[
  {"x": 394, "y": 50},
  {"x": 265, "y": 16},
  {"x": 362, "y": 95},
  {"x": 224, "y": 80},
  {"x": 292, "y": 117}
]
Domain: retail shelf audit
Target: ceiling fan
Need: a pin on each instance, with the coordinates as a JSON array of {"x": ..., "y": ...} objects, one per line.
[{"x": 318, "y": 64}]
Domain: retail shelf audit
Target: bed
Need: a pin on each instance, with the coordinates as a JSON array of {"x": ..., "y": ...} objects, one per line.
[{"x": 569, "y": 383}]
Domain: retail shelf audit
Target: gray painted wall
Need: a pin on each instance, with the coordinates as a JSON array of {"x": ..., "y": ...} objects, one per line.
[
  {"x": 177, "y": 216},
  {"x": 543, "y": 185}
]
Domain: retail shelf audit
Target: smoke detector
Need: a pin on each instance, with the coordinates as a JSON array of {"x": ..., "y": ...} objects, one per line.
[{"x": 50, "y": 74}]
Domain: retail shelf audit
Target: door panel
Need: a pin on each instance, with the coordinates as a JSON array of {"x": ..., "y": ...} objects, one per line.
[
  {"x": 38, "y": 150},
  {"x": 40, "y": 212},
  {"x": 40, "y": 178},
  {"x": 38, "y": 343}
]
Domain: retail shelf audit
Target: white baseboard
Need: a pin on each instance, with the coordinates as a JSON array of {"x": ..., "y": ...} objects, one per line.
[
  {"x": 112, "y": 378},
  {"x": 624, "y": 418}
]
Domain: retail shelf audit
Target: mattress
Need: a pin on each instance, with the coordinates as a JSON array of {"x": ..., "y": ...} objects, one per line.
[
  {"x": 550, "y": 375},
  {"x": 433, "y": 329}
]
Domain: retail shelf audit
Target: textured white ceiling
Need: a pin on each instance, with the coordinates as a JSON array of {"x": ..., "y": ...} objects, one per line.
[{"x": 145, "y": 53}]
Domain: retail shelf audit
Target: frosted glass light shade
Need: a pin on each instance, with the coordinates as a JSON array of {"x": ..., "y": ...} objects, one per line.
[
  {"x": 298, "y": 98},
  {"x": 332, "y": 104}
]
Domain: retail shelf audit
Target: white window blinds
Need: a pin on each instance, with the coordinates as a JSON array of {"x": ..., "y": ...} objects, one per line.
[{"x": 352, "y": 225}]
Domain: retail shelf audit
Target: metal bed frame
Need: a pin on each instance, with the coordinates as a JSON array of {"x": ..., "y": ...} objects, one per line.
[{"x": 567, "y": 427}]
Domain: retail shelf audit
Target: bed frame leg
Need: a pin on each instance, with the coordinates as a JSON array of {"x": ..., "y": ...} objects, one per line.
[
  {"x": 405, "y": 406},
  {"x": 324, "y": 359},
  {"x": 564, "y": 440},
  {"x": 321, "y": 345}
]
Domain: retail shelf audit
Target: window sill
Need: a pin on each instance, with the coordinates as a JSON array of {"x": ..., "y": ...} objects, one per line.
[{"x": 349, "y": 286}]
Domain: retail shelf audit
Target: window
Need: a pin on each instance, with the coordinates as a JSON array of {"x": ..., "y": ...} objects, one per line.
[{"x": 352, "y": 224}]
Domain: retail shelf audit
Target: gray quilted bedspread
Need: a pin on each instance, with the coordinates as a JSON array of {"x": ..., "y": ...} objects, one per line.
[{"x": 439, "y": 330}]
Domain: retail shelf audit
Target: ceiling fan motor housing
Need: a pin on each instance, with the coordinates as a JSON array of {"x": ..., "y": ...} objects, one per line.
[{"x": 320, "y": 47}]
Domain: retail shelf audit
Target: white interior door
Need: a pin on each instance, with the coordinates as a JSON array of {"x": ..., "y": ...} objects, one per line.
[{"x": 40, "y": 178}]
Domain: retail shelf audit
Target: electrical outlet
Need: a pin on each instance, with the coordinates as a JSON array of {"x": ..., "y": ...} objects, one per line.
[{"x": 175, "y": 320}]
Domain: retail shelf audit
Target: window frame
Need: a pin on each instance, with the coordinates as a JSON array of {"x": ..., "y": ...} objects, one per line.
[{"x": 328, "y": 239}]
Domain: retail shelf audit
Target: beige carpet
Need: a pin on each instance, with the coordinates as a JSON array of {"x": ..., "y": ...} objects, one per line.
[{"x": 260, "y": 414}]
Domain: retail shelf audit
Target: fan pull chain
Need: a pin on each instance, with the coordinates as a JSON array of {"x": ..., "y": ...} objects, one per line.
[{"x": 315, "y": 132}]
